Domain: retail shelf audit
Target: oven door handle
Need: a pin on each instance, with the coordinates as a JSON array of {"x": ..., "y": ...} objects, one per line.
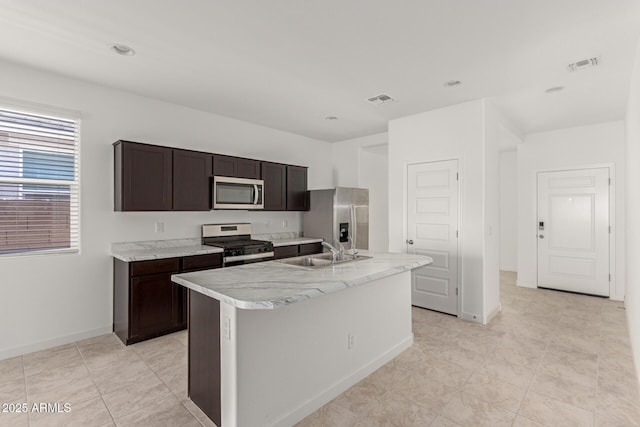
[{"x": 248, "y": 257}]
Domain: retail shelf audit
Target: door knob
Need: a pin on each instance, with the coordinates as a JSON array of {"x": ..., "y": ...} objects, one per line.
[
  {"x": 541, "y": 236},
  {"x": 410, "y": 242}
]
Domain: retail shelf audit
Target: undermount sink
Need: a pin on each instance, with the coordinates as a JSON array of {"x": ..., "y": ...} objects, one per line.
[{"x": 320, "y": 260}]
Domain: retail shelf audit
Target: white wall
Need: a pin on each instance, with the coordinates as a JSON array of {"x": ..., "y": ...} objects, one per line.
[
  {"x": 632, "y": 297},
  {"x": 309, "y": 369},
  {"x": 576, "y": 147},
  {"x": 372, "y": 174},
  {"x": 508, "y": 211},
  {"x": 362, "y": 163},
  {"x": 494, "y": 123},
  {"x": 455, "y": 132},
  {"x": 47, "y": 300}
]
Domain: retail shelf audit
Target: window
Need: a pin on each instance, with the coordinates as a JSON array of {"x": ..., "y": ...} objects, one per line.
[{"x": 38, "y": 183}]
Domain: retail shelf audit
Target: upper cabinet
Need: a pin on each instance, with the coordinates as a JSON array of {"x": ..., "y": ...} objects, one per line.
[
  {"x": 297, "y": 195},
  {"x": 274, "y": 176},
  {"x": 236, "y": 167},
  {"x": 191, "y": 177},
  {"x": 154, "y": 178},
  {"x": 143, "y": 177}
]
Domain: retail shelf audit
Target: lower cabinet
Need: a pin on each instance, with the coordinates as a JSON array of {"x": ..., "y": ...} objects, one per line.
[
  {"x": 290, "y": 251},
  {"x": 156, "y": 306},
  {"x": 146, "y": 304}
]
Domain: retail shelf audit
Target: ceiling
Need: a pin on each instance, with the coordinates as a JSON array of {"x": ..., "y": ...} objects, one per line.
[{"x": 288, "y": 64}]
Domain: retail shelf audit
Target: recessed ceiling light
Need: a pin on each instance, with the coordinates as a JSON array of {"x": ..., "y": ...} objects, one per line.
[
  {"x": 452, "y": 83},
  {"x": 123, "y": 49},
  {"x": 331, "y": 118},
  {"x": 554, "y": 89}
]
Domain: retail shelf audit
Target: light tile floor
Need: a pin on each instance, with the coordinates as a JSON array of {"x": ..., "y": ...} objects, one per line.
[{"x": 550, "y": 358}]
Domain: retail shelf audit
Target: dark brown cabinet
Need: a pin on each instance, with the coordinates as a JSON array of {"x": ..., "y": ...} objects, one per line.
[
  {"x": 191, "y": 178},
  {"x": 274, "y": 176},
  {"x": 154, "y": 178},
  {"x": 297, "y": 250},
  {"x": 310, "y": 248},
  {"x": 289, "y": 251},
  {"x": 297, "y": 195},
  {"x": 236, "y": 167},
  {"x": 156, "y": 307},
  {"x": 143, "y": 177},
  {"x": 146, "y": 304}
]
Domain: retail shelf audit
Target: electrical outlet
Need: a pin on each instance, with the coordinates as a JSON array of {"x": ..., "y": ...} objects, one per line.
[
  {"x": 351, "y": 341},
  {"x": 226, "y": 328},
  {"x": 285, "y": 223},
  {"x": 267, "y": 222},
  {"x": 159, "y": 227}
]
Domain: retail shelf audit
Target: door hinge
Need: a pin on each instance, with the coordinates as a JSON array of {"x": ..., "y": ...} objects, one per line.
[
  {"x": 457, "y": 176},
  {"x": 456, "y": 291},
  {"x": 609, "y": 181},
  {"x": 609, "y": 229},
  {"x": 456, "y": 234},
  {"x": 609, "y": 277}
]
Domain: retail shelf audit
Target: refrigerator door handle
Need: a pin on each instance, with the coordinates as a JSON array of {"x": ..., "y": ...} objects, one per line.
[{"x": 354, "y": 230}]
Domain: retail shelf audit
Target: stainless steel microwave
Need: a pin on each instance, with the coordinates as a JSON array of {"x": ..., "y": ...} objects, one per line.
[{"x": 237, "y": 193}]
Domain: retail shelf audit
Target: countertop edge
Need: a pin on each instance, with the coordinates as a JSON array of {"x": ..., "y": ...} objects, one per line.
[{"x": 163, "y": 253}]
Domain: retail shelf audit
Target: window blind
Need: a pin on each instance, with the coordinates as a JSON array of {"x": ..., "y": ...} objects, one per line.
[{"x": 39, "y": 191}]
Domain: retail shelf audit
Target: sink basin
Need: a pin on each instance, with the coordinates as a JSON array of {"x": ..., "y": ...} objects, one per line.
[{"x": 320, "y": 260}]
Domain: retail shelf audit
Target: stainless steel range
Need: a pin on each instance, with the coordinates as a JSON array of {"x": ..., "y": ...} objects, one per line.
[{"x": 236, "y": 241}]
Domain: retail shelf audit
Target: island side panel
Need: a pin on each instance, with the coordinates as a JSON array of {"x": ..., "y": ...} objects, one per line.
[
  {"x": 204, "y": 354},
  {"x": 294, "y": 359}
]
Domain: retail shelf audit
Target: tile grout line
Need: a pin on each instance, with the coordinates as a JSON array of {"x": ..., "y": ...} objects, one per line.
[
  {"x": 84, "y": 361},
  {"x": 26, "y": 396},
  {"x": 167, "y": 385}
]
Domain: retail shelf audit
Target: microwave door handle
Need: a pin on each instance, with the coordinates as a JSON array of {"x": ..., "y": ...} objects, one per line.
[{"x": 255, "y": 194}]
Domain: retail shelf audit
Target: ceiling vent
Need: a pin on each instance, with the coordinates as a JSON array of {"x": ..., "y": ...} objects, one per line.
[
  {"x": 584, "y": 64},
  {"x": 380, "y": 99}
]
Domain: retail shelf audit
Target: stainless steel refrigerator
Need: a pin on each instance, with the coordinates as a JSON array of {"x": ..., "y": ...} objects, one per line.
[{"x": 339, "y": 215}]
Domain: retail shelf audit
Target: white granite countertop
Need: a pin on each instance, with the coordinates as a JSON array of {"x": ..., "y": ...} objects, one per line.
[
  {"x": 272, "y": 284},
  {"x": 157, "y": 249},
  {"x": 158, "y": 253},
  {"x": 294, "y": 241}
]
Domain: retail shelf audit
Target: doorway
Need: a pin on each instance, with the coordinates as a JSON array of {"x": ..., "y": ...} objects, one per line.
[
  {"x": 432, "y": 230},
  {"x": 573, "y": 230}
]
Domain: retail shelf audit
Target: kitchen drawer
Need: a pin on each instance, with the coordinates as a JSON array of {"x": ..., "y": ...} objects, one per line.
[
  {"x": 285, "y": 251},
  {"x": 154, "y": 266},
  {"x": 201, "y": 262},
  {"x": 310, "y": 248}
]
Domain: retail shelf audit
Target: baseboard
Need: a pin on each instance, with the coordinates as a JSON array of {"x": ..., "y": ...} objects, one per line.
[
  {"x": 493, "y": 313},
  {"x": 472, "y": 317},
  {"x": 54, "y": 342},
  {"x": 525, "y": 285},
  {"x": 311, "y": 405}
]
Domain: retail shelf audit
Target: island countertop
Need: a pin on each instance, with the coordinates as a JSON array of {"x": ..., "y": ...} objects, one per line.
[{"x": 272, "y": 284}]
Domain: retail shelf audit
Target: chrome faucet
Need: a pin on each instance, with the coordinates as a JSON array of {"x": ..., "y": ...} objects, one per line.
[{"x": 336, "y": 254}]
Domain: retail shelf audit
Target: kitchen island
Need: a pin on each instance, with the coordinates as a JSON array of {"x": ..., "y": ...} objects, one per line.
[{"x": 269, "y": 343}]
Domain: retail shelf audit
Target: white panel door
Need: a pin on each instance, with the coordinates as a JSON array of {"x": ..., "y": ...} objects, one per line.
[
  {"x": 432, "y": 230},
  {"x": 573, "y": 230}
]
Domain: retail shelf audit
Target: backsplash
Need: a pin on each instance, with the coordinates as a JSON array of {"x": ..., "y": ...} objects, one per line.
[
  {"x": 277, "y": 236},
  {"x": 117, "y": 247},
  {"x": 153, "y": 244}
]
